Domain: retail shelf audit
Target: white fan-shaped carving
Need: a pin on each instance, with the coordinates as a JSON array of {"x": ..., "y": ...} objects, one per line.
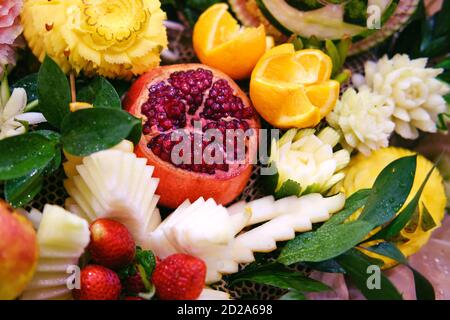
[
  {"x": 62, "y": 238},
  {"x": 116, "y": 184},
  {"x": 214, "y": 234}
]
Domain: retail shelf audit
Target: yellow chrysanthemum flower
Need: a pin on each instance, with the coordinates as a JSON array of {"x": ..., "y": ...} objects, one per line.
[
  {"x": 112, "y": 38},
  {"x": 361, "y": 174}
]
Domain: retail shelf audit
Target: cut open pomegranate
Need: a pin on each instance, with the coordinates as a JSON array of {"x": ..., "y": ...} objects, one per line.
[{"x": 200, "y": 132}]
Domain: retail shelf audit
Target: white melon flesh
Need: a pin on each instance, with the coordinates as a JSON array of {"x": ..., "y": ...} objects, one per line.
[
  {"x": 214, "y": 234},
  {"x": 116, "y": 184},
  {"x": 211, "y": 294},
  {"x": 203, "y": 229},
  {"x": 62, "y": 238}
]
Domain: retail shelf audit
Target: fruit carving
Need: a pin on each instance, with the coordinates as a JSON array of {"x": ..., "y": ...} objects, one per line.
[
  {"x": 212, "y": 233},
  {"x": 328, "y": 19},
  {"x": 189, "y": 100},
  {"x": 220, "y": 42},
  {"x": 62, "y": 238},
  {"x": 18, "y": 252},
  {"x": 292, "y": 89},
  {"x": 117, "y": 185}
]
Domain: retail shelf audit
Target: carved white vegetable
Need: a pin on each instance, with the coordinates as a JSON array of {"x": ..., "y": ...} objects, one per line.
[
  {"x": 216, "y": 235},
  {"x": 62, "y": 238},
  {"x": 117, "y": 185}
]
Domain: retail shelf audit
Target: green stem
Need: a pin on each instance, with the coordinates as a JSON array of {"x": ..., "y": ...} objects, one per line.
[
  {"x": 343, "y": 77},
  {"x": 32, "y": 105},
  {"x": 4, "y": 88}
]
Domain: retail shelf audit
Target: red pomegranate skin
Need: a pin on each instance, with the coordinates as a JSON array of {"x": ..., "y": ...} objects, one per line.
[{"x": 178, "y": 184}]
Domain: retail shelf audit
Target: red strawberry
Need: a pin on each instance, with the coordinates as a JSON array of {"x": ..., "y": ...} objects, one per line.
[
  {"x": 111, "y": 244},
  {"x": 179, "y": 277},
  {"x": 98, "y": 283}
]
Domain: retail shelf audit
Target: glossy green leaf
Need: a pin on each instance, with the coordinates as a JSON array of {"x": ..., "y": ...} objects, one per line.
[
  {"x": 387, "y": 196},
  {"x": 100, "y": 93},
  {"x": 424, "y": 289},
  {"x": 29, "y": 83},
  {"x": 22, "y": 154},
  {"x": 356, "y": 266},
  {"x": 390, "y": 191},
  {"x": 401, "y": 221},
  {"x": 324, "y": 244},
  {"x": 90, "y": 130},
  {"x": 54, "y": 92},
  {"x": 278, "y": 276},
  {"x": 427, "y": 221},
  {"x": 20, "y": 191},
  {"x": 352, "y": 204}
]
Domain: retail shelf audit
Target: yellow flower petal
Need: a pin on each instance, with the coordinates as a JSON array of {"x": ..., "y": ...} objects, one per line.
[{"x": 114, "y": 38}]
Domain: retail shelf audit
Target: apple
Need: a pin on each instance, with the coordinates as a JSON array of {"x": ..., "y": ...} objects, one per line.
[{"x": 19, "y": 252}]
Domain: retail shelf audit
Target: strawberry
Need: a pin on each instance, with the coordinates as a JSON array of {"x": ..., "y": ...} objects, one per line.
[
  {"x": 179, "y": 277},
  {"x": 98, "y": 283},
  {"x": 111, "y": 244}
]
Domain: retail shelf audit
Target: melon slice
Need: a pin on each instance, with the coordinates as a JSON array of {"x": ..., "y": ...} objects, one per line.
[
  {"x": 217, "y": 235},
  {"x": 116, "y": 184},
  {"x": 211, "y": 294},
  {"x": 62, "y": 238}
]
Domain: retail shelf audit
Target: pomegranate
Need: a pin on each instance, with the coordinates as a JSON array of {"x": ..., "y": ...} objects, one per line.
[{"x": 189, "y": 100}]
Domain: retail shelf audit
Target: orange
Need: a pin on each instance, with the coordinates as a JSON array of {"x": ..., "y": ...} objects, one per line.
[
  {"x": 220, "y": 42},
  {"x": 292, "y": 89}
]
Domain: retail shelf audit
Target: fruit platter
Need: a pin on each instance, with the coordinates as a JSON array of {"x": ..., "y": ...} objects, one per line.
[{"x": 224, "y": 150}]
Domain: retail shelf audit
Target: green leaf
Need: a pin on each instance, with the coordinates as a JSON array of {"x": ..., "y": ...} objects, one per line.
[
  {"x": 356, "y": 267},
  {"x": 20, "y": 191},
  {"x": 333, "y": 52},
  {"x": 329, "y": 266},
  {"x": 444, "y": 64},
  {"x": 29, "y": 83},
  {"x": 442, "y": 25},
  {"x": 287, "y": 189},
  {"x": 136, "y": 133},
  {"x": 390, "y": 191},
  {"x": 324, "y": 244},
  {"x": 146, "y": 259},
  {"x": 22, "y": 154},
  {"x": 278, "y": 276},
  {"x": 428, "y": 222},
  {"x": 53, "y": 91},
  {"x": 413, "y": 224},
  {"x": 293, "y": 295},
  {"x": 55, "y": 163},
  {"x": 387, "y": 196},
  {"x": 100, "y": 93},
  {"x": 388, "y": 249},
  {"x": 355, "y": 202},
  {"x": 400, "y": 222},
  {"x": 90, "y": 130},
  {"x": 424, "y": 289}
]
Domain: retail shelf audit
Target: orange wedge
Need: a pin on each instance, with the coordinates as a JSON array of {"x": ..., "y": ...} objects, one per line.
[
  {"x": 293, "y": 88},
  {"x": 220, "y": 42}
]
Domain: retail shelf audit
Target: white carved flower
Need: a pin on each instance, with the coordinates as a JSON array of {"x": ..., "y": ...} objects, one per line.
[
  {"x": 308, "y": 158},
  {"x": 414, "y": 90},
  {"x": 364, "y": 118}
]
